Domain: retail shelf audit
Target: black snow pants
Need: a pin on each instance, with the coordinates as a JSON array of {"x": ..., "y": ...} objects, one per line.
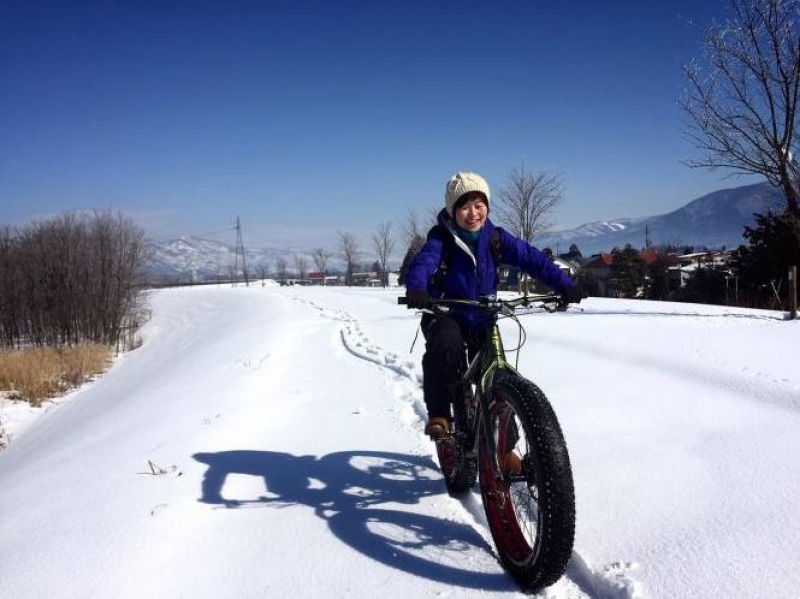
[{"x": 444, "y": 362}]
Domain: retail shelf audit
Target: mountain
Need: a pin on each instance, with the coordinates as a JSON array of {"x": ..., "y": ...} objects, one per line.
[
  {"x": 714, "y": 221},
  {"x": 199, "y": 259}
]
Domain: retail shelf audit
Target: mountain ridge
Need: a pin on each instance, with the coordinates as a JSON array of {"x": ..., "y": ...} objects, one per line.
[{"x": 715, "y": 221}]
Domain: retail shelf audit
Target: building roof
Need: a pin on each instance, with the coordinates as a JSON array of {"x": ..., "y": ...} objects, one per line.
[
  {"x": 648, "y": 256},
  {"x": 603, "y": 260}
]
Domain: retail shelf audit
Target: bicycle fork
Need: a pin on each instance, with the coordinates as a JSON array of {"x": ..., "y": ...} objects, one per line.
[
  {"x": 483, "y": 387},
  {"x": 484, "y": 420}
]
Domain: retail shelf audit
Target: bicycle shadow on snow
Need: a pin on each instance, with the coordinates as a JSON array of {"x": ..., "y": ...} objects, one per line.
[{"x": 354, "y": 493}]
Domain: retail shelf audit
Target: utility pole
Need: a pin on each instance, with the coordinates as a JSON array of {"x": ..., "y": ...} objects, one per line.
[{"x": 240, "y": 248}]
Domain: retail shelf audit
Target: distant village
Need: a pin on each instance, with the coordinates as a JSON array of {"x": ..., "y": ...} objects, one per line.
[{"x": 597, "y": 268}]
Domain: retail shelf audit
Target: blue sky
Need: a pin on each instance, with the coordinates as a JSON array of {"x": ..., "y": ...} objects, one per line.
[{"x": 307, "y": 118}]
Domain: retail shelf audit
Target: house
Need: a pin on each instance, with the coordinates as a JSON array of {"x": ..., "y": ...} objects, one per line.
[
  {"x": 687, "y": 264},
  {"x": 319, "y": 278},
  {"x": 366, "y": 279},
  {"x": 566, "y": 266},
  {"x": 599, "y": 268},
  {"x": 509, "y": 276}
]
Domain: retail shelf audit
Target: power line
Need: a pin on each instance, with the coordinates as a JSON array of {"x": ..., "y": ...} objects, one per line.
[{"x": 225, "y": 230}]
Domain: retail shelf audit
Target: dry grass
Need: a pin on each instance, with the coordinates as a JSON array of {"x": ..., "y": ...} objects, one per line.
[{"x": 37, "y": 374}]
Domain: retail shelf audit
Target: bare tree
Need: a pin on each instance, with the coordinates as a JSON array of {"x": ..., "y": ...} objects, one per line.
[
  {"x": 301, "y": 264},
  {"x": 321, "y": 258},
  {"x": 384, "y": 246},
  {"x": 415, "y": 226},
  {"x": 69, "y": 279},
  {"x": 263, "y": 272},
  {"x": 348, "y": 247},
  {"x": 11, "y": 309},
  {"x": 414, "y": 230},
  {"x": 742, "y": 107},
  {"x": 412, "y": 227},
  {"x": 282, "y": 268},
  {"x": 526, "y": 203}
]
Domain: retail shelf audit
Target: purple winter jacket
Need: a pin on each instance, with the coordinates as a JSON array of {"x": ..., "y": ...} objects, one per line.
[{"x": 471, "y": 276}]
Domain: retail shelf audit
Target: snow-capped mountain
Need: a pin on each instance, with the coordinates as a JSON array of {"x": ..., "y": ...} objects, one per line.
[
  {"x": 715, "y": 220},
  {"x": 199, "y": 259}
]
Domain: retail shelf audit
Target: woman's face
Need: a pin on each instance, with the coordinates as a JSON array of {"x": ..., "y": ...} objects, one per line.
[{"x": 472, "y": 214}]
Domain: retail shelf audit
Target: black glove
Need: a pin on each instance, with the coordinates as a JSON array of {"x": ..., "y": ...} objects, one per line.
[
  {"x": 571, "y": 295},
  {"x": 417, "y": 298}
]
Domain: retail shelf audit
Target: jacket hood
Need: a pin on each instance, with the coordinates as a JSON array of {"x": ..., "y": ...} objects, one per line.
[{"x": 447, "y": 223}]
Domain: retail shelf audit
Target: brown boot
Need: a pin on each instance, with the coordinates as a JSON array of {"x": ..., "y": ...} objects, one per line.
[
  {"x": 437, "y": 427},
  {"x": 512, "y": 463}
]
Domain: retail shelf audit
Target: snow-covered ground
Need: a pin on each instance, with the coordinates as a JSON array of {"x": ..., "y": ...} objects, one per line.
[{"x": 267, "y": 442}]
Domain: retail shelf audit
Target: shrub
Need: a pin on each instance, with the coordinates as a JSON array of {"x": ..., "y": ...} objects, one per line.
[
  {"x": 36, "y": 374},
  {"x": 69, "y": 279}
]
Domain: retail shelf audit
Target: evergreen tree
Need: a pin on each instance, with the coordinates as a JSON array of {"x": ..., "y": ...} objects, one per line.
[
  {"x": 773, "y": 248},
  {"x": 587, "y": 283},
  {"x": 627, "y": 272},
  {"x": 574, "y": 254},
  {"x": 707, "y": 285},
  {"x": 657, "y": 284}
]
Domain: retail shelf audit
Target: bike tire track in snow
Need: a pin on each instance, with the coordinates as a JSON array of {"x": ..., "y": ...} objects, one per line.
[{"x": 614, "y": 581}]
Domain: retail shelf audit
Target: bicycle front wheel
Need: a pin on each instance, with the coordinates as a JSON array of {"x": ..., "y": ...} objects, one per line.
[{"x": 531, "y": 508}]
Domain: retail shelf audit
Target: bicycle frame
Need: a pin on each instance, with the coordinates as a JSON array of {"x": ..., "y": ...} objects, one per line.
[
  {"x": 487, "y": 362},
  {"x": 480, "y": 373}
]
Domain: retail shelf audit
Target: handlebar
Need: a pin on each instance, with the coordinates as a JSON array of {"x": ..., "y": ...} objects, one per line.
[{"x": 550, "y": 302}]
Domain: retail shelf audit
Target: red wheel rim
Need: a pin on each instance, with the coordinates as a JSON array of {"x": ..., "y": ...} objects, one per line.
[
  {"x": 448, "y": 453},
  {"x": 511, "y": 503}
]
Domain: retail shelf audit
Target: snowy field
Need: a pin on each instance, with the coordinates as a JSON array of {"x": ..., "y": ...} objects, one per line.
[{"x": 267, "y": 442}]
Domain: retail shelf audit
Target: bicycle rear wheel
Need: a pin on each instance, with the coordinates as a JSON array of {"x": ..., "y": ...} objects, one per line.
[
  {"x": 457, "y": 458},
  {"x": 531, "y": 513}
]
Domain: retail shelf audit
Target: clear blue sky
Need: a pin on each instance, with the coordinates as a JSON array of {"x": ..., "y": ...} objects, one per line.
[{"x": 305, "y": 118}]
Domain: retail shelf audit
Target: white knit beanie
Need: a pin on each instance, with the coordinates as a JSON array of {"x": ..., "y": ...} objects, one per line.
[{"x": 462, "y": 183}]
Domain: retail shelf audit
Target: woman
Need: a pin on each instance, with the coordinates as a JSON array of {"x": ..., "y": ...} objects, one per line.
[{"x": 457, "y": 262}]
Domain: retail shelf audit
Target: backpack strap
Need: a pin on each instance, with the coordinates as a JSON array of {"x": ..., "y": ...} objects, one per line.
[
  {"x": 444, "y": 263},
  {"x": 447, "y": 251},
  {"x": 494, "y": 244}
]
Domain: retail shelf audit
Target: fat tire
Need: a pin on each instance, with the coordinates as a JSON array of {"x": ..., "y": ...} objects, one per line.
[
  {"x": 460, "y": 471},
  {"x": 458, "y": 462},
  {"x": 540, "y": 558}
]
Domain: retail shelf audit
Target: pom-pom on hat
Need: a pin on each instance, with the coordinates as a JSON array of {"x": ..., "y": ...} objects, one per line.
[{"x": 462, "y": 183}]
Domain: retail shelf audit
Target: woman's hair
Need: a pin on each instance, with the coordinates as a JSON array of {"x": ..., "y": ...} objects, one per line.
[{"x": 469, "y": 196}]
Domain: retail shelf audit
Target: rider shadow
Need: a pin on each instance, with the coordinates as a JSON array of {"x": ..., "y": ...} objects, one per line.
[{"x": 354, "y": 493}]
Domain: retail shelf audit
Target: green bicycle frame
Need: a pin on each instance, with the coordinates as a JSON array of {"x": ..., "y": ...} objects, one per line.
[
  {"x": 487, "y": 362},
  {"x": 489, "y": 359}
]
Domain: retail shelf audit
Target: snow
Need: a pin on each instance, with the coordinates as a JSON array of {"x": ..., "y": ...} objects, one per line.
[{"x": 267, "y": 442}]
